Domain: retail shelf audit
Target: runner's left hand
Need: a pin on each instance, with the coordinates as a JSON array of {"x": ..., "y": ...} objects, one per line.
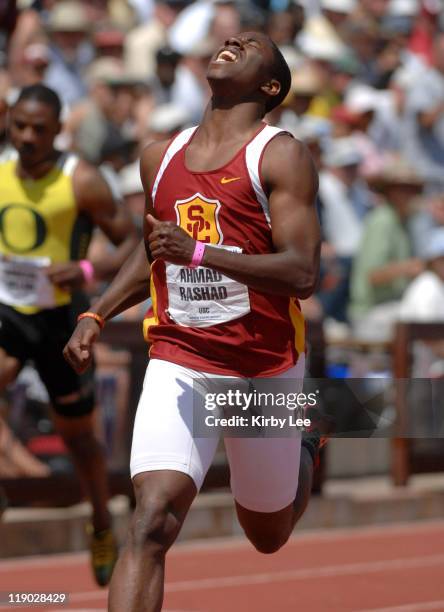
[
  {"x": 67, "y": 275},
  {"x": 170, "y": 242}
]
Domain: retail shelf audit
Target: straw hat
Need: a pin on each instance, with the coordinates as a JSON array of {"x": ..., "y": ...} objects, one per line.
[
  {"x": 396, "y": 171},
  {"x": 68, "y": 16},
  {"x": 305, "y": 81},
  {"x": 319, "y": 40}
]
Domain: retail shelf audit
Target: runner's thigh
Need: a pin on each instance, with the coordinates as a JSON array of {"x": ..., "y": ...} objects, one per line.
[
  {"x": 265, "y": 471},
  {"x": 163, "y": 427}
]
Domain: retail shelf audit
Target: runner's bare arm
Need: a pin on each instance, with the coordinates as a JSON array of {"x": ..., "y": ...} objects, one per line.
[
  {"x": 94, "y": 198},
  {"x": 131, "y": 284},
  {"x": 129, "y": 287},
  {"x": 149, "y": 164},
  {"x": 292, "y": 182}
]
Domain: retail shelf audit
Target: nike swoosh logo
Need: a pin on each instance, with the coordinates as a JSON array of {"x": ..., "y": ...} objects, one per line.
[{"x": 224, "y": 180}]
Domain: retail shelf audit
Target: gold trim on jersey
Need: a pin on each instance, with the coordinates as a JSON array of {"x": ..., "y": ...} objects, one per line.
[
  {"x": 298, "y": 322},
  {"x": 154, "y": 320}
]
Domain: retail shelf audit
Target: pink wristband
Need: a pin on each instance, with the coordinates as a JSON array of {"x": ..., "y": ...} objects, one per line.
[
  {"x": 197, "y": 255},
  {"x": 87, "y": 269}
]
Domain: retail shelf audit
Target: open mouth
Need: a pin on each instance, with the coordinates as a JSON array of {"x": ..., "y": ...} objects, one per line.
[{"x": 226, "y": 56}]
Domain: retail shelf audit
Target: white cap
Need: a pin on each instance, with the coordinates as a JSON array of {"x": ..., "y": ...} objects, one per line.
[
  {"x": 342, "y": 152},
  {"x": 339, "y": 6},
  {"x": 191, "y": 26},
  {"x": 435, "y": 245},
  {"x": 167, "y": 118},
  {"x": 68, "y": 16},
  {"x": 362, "y": 98},
  {"x": 403, "y": 8}
]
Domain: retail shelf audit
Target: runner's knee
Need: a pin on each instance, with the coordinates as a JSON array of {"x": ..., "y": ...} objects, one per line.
[
  {"x": 74, "y": 406},
  {"x": 266, "y": 543},
  {"x": 268, "y": 532},
  {"x": 154, "y": 525}
]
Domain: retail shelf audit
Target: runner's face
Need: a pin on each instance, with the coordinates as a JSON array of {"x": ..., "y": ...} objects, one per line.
[
  {"x": 245, "y": 63},
  {"x": 33, "y": 128}
]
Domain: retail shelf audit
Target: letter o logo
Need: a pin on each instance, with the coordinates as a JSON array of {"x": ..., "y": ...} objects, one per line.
[{"x": 22, "y": 229}]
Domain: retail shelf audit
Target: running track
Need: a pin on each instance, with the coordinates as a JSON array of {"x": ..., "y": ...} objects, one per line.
[{"x": 397, "y": 568}]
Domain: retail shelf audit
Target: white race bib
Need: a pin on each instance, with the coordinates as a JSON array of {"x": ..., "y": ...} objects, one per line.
[
  {"x": 201, "y": 297},
  {"x": 23, "y": 282}
]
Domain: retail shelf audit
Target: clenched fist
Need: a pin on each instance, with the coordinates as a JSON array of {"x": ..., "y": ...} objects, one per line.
[
  {"x": 170, "y": 242},
  {"x": 79, "y": 350}
]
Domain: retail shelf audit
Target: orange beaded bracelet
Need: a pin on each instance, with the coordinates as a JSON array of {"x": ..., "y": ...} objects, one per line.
[{"x": 92, "y": 315}]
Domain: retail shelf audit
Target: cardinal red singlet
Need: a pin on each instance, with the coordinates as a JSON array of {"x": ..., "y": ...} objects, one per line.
[{"x": 202, "y": 319}]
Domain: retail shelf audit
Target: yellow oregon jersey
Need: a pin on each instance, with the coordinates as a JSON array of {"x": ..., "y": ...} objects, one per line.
[{"x": 39, "y": 219}]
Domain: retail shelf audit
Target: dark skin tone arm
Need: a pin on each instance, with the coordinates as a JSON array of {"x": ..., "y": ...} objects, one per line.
[
  {"x": 129, "y": 287},
  {"x": 94, "y": 198},
  {"x": 293, "y": 269}
]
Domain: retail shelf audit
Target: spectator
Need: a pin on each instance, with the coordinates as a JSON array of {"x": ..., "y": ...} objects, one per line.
[
  {"x": 423, "y": 300},
  {"x": 424, "y": 119},
  {"x": 132, "y": 192},
  {"x": 108, "y": 41},
  {"x": 282, "y": 27},
  {"x": 428, "y": 217},
  {"x": 373, "y": 10},
  {"x": 305, "y": 84},
  {"x": 425, "y": 30},
  {"x": 71, "y": 51},
  {"x": 319, "y": 41},
  {"x": 337, "y": 11},
  {"x": 36, "y": 59},
  {"x": 362, "y": 37},
  {"x": 142, "y": 43},
  {"x": 363, "y": 103},
  {"x": 167, "y": 61},
  {"x": 384, "y": 264},
  {"x": 165, "y": 121},
  {"x": 108, "y": 108},
  {"x": 190, "y": 89},
  {"x": 345, "y": 200}
]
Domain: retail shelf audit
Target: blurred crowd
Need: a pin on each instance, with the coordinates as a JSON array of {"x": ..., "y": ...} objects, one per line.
[{"x": 367, "y": 97}]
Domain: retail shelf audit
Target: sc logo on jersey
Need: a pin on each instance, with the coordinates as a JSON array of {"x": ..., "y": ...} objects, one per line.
[
  {"x": 199, "y": 217},
  {"x": 21, "y": 229}
]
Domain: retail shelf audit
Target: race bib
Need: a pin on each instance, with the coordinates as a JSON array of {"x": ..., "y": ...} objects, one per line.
[
  {"x": 23, "y": 282},
  {"x": 201, "y": 297}
]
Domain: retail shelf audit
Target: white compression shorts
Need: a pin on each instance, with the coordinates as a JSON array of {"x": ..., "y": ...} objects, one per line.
[{"x": 264, "y": 471}]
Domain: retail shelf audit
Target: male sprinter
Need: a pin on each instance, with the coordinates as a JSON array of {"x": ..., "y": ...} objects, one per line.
[
  {"x": 233, "y": 198},
  {"x": 49, "y": 204}
]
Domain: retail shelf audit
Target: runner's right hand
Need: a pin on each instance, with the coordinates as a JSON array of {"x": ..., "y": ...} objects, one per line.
[{"x": 79, "y": 350}]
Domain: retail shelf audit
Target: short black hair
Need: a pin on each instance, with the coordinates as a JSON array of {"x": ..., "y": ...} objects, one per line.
[
  {"x": 43, "y": 94},
  {"x": 281, "y": 72}
]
